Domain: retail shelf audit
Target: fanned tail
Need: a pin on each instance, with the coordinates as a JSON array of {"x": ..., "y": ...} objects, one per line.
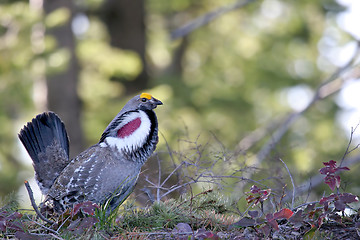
[{"x": 47, "y": 143}]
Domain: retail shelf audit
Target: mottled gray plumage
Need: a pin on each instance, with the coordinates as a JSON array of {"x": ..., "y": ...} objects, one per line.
[{"x": 106, "y": 170}]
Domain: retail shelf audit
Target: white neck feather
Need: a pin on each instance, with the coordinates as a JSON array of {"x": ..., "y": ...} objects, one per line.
[{"x": 134, "y": 140}]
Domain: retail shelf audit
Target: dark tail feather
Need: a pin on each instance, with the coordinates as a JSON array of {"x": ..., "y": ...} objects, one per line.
[
  {"x": 41, "y": 132},
  {"x": 47, "y": 143}
]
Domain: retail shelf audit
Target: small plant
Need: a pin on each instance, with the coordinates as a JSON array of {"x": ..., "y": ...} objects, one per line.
[
  {"x": 316, "y": 216},
  {"x": 313, "y": 215},
  {"x": 257, "y": 195},
  {"x": 340, "y": 200},
  {"x": 265, "y": 222},
  {"x": 78, "y": 220},
  {"x": 331, "y": 170}
]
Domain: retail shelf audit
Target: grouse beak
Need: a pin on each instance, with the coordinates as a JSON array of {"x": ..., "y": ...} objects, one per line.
[{"x": 155, "y": 102}]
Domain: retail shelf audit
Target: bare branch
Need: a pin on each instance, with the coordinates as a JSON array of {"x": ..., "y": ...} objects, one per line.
[
  {"x": 205, "y": 19},
  {"x": 304, "y": 204},
  {"x": 172, "y": 173},
  {"x": 192, "y": 197},
  {"x": 159, "y": 180},
  {"x": 348, "y": 146},
  {"x": 33, "y": 204},
  {"x": 48, "y": 229},
  {"x": 326, "y": 89},
  {"x": 292, "y": 182}
]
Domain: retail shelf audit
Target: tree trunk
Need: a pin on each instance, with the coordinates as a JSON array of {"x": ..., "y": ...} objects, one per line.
[
  {"x": 62, "y": 87},
  {"x": 125, "y": 21}
]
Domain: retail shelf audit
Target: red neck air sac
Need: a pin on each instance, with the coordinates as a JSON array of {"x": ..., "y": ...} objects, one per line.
[{"x": 129, "y": 128}]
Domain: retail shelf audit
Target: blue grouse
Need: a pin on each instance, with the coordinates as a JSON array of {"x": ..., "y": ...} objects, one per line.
[{"x": 104, "y": 173}]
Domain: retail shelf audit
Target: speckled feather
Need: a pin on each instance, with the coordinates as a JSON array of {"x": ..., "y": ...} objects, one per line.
[{"x": 94, "y": 179}]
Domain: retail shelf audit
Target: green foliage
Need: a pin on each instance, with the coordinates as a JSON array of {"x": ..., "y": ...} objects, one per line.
[
  {"x": 208, "y": 208},
  {"x": 9, "y": 203},
  {"x": 16, "y": 82},
  {"x": 157, "y": 216},
  {"x": 228, "y": 78}
]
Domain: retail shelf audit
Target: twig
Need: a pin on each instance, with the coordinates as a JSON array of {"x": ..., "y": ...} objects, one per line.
[
  {"x": 63, "y": 223},
  {"x": 205, "y": 19},
  {"x": 46, "y": 228},
  {"x": 304, "y": 204},
  {"x": 192, "y": 196},
  {"x": 353, "y": 129},
  {"x": 57, "y": 237},
  {"x": 159, "y": 181},
  {"x": 172, "y": 173},
  {"x": 292, "y": 182},
  {"x": 33, "y": 204}
]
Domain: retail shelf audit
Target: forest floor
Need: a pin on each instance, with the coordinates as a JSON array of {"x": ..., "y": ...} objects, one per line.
[{"x": 204, "y": 216}]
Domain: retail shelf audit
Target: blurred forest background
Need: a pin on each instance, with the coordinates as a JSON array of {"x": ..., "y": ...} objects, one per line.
[{"x": 262, "y": 79}]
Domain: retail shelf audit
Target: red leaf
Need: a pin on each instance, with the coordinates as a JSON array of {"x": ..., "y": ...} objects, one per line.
[
  {"x": 76, "y": 209},
  {"x": 250, "y": 199},
  {"x": 348, "y": 198},
  {"x": 283, "y": 213},
  {"x": 297, "y": 217},
  {"x": 273, "y": 224},
  {"x": 330, "y": 168},
  {"x": 331, "y": 164},
  {"x": 331, "y": 181},
  {"x": 269, "y": 217},
  {"x": 271, "y": 221},
  {"x": 325, "y": 170},
  {"x": 342, "y": 199},
  {"x": 86, "y": 207},
  {"x": 266, "y": 230},
  {"x": 343, "y": 168},
  {"x": 339, "y": 205},
  {"x": 245, "y": 222},
  {"x": 204, "y": 234},
  {"x": 257, "y": 195},
  {"x": 88, "y": 222},
  {"x": 254, "y": 189},
  {"x": 89, "y": 208}
]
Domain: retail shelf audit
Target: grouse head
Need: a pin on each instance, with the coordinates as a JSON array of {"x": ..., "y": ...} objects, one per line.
[
  {"x": 135, "y": 128},
  {"x": 144, "y": 102}
]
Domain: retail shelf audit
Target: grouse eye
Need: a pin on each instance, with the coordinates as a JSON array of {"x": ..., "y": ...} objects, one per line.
[{"x": 143, "y": 99}]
